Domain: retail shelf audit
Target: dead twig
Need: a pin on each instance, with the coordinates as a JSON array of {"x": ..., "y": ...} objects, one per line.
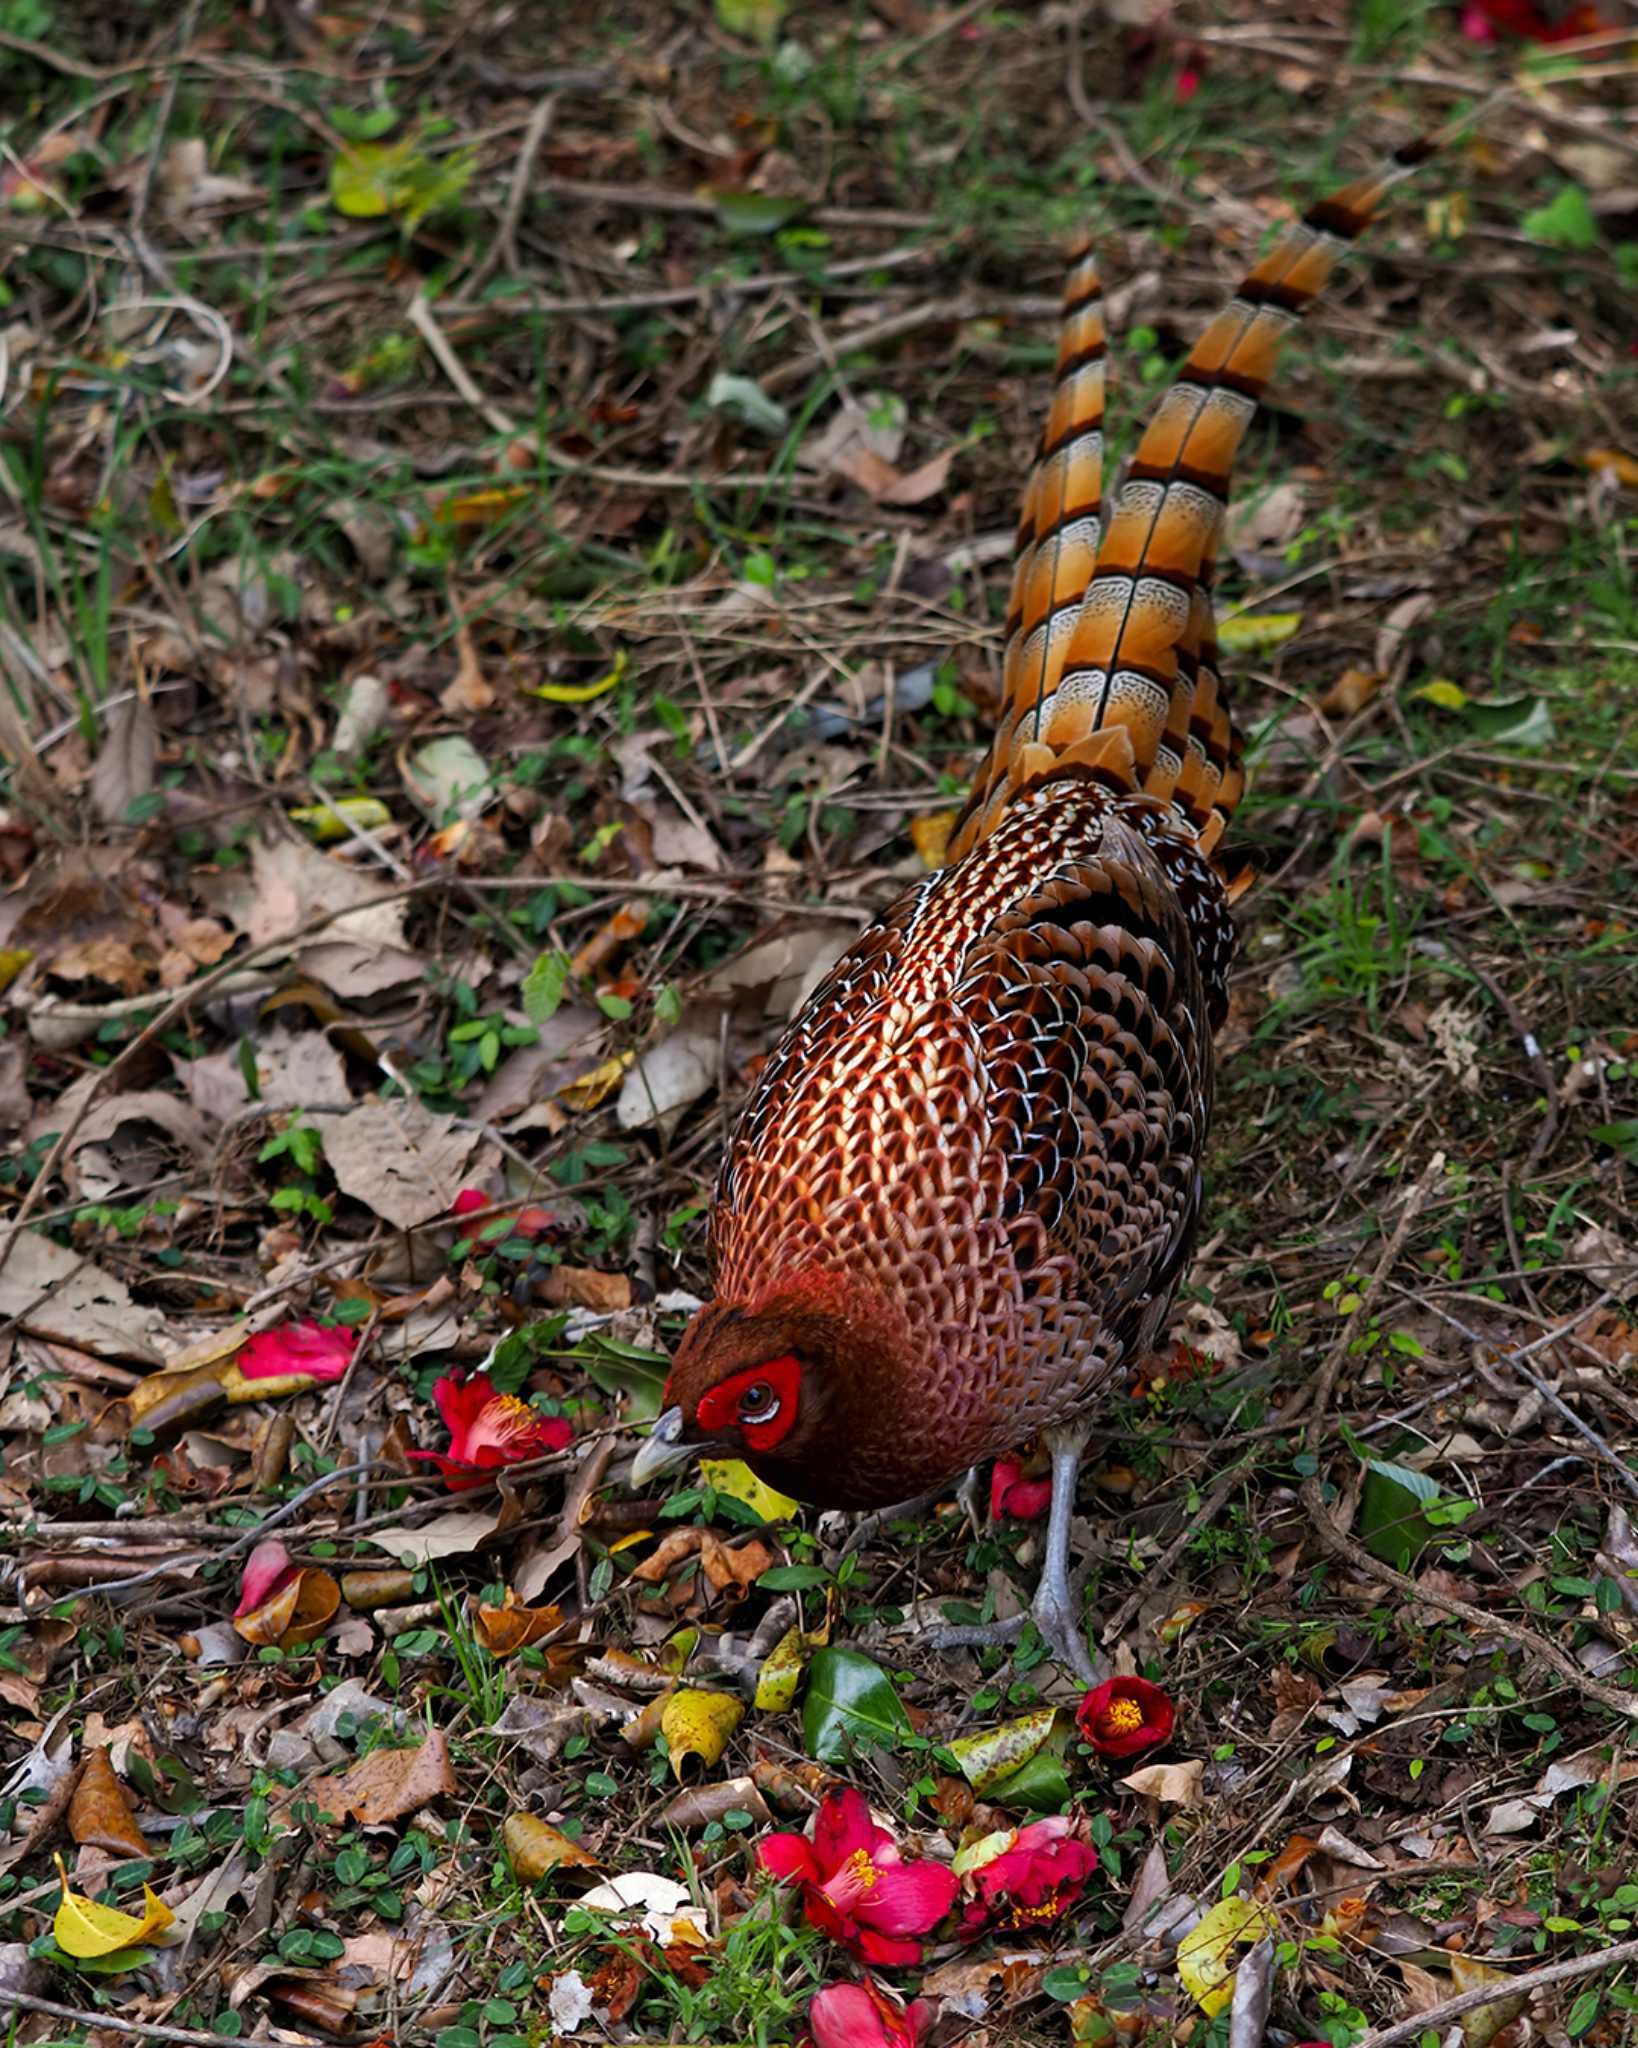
[
  {"x": 1344, "y": 1547},
  {"x": 1523, "y": 1985}
]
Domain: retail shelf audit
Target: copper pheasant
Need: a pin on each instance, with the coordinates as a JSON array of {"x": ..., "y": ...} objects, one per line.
[{"x": 966, "y": 1185}]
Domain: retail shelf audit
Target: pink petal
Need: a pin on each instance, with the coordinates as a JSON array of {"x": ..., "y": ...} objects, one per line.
[
  {"x": 509, "y": 1431},
  {"x": 842, "y": 1827},
  {"x": 907, "y": 1898},
  {"x": 304, "y": 1347},
  {"x": 1476, "y": 25},
  {"x": 460, "y": 1401},
  {"x": 845, "y": 2016},
  {"x": 468, "y": 1200},
  {"x": 267, "y": 1570},
  {"x": 1012, "y": 1494},
  {"x": 788, "y": 1857},
  {"x": 870, "y": 1947}
]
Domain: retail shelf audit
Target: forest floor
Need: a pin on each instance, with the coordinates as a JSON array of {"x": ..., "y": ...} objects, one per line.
[{"x": 504, "y": 531}]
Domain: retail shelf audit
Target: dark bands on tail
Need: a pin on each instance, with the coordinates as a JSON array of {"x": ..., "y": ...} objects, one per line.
[{"x": 1111, "y": 653}]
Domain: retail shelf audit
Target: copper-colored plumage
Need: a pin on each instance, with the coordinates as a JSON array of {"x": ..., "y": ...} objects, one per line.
[{"x": 966, "y": 1185}]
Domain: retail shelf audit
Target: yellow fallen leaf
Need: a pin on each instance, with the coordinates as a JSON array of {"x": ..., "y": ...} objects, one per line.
[
  {"x": 1447, "y": 695},
  {"x": 84, "y": 1929},
  {"x": 13, "y": 959},
  {"x": 735, "y": 1478},
  {"x": 698, "y": 1725},
  {"x": 583, "y": 693},
  {"x": 591, "y": 1089},
  {"x": 1257, "y": 632},
  {"x": 1447, "y": 217},
  {"x": 535, "y": 1847},
  {"x": 1205, "y": 1954},
  {"x": 781, "y": 1673},
  {"x": 930, "y": 836},
  {"x": 481, "y": 508},
  {"x": 340, "y": 817},
  {"x": 1624, "y": 465}
]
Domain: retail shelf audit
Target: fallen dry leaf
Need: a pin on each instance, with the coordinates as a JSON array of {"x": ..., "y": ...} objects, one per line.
[
  {"x": 388, "y": 1783},
  {"x": 403, "y": 1161},
  {"x": 100, "y": 1815},
  {"x": 535, "y": 1847}
]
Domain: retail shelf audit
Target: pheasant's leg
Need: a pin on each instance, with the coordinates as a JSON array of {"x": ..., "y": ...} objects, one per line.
[
  {"x": 1057, "y": 1606},
  {"x": 1055, "y": 1611}
]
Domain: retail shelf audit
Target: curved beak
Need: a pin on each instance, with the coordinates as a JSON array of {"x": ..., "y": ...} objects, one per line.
[{"x": 662, "y": 1448}]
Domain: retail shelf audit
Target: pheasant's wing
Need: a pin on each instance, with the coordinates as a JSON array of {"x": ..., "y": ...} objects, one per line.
[{"x": 1090, "y": 1015}]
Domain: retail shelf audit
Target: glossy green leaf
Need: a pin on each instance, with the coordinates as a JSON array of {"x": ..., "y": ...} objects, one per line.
[
  {"x": 997, "y": 1753},
  {"x": 1039, "y": 1786},
  {"x": 1391, "y": 1522},
  {"x": 849, "y": 1700}
]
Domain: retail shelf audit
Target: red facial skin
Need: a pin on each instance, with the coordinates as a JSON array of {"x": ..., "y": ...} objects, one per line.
[{"x": 731, "y": 1404}]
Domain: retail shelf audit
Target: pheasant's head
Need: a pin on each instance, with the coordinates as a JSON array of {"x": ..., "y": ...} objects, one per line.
[{"x": 803, "y": 1386}]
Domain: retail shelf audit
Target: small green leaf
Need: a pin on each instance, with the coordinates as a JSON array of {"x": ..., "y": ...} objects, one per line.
[
  {"x": 849, "y": 1700},
  {"x": 756, "y": 20},
  {"x": 754, "y": 213},
  {"x": 1565, "y": 222},
  {"x": 543, "y": 987}
]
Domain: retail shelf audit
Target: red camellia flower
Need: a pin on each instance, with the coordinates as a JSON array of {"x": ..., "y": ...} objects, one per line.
[
  {"x": 1124, "y": 1715},
  {"x": 305, "y": 1347},
  {"x": 1012, "y": 1494},
  {"x": 856, "y": 1886},
  {"x": 487, "y": 1430},
  {"x": 1036, "y": 1878},
  {"x": 467, "y": 1201},
  {"x": 866, "y": 2016}
]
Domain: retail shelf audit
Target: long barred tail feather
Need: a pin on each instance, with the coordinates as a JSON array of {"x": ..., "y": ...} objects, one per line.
[{"x": 1111, "y": 661}]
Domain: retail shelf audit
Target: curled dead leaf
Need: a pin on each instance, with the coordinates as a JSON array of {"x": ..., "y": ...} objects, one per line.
[
  {"x": 535, "y": 1847},
  {"x": 505, "y": 1630},
  {"x": 696, "y": 1727}
]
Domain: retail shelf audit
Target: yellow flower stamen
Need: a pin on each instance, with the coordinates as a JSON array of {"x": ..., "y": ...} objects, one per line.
[
  {"x": 861, "y": 1870},
  {"x": 1120, "y": 1717}
]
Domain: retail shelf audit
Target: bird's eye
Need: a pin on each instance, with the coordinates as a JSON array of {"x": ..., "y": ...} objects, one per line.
[{"x": 758, "y": 1403}]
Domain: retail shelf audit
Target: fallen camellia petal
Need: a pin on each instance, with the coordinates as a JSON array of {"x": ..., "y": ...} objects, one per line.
[
  {"x": 84, "y": 1929},
  {"x": 268, "y": 1569},
  {"x": 488, "y": 1430},
  {"x": 1031, "y": 1879},
  {"x": 1124, "y": 1715},
  {"x": 866, "y": 2016},
  {"x": 1012, "y": 1494},
  {"x": 306, "y": 1349}
]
